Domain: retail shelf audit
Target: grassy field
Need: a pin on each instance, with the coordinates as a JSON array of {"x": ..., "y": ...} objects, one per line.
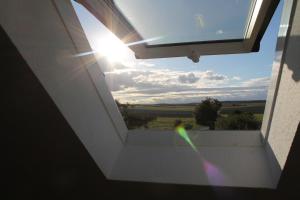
[
  {"x": 167, "y": 114},
  {"x": 259, "y": 117},
  {"x": 167, "y": 123}
]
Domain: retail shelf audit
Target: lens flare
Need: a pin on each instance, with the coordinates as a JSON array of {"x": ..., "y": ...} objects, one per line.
[
  {"x": 113, "y": 48},
  {"x": 182, "y": 132},
  {"x": 144, "y": 41},
  {"x": 213, "y": 173}
]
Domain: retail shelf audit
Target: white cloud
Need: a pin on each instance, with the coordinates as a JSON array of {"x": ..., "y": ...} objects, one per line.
[
  {"x": 284, "y": 26},
  {"x": 156, "y": 85},
  {"x": 210, "y": 75},
  {"x": 236, "y": 78},
  {"x": 189, "y": 78},
  {"x": 257, "y": 82},
  {"x": 219, "y": 32},
  {"x": 146, "y": 64},
  {"x": 199, "y": 21},
  {"x": 106, "y": 66}
]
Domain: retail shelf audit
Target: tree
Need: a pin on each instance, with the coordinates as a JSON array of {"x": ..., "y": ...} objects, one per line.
[
  {"x": 132, "y": 120},
  {"x": 118, "y": 103},
  {"x": 177, "y": 123},
  {"x": 206, "y": 112}
]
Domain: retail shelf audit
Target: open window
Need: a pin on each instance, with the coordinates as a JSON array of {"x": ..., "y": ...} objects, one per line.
[{"x": 176, "y": 28}]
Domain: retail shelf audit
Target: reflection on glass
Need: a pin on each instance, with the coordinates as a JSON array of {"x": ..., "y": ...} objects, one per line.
[{"x": 178, "y": 21}]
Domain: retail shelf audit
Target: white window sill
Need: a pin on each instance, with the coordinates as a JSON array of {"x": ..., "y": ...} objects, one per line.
[
  {"x": 236, "y": 158},
  {"x": 199, "y": 138}
]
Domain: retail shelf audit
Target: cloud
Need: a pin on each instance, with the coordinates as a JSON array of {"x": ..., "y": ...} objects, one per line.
[
  {"x": 106, "y": 66},
  {"x": 162, "y": 78},
  {"x": 146, "y": 64},
  {"x": 136, "y": 84},
  {"x": 119, "y": 81},
  {"x": 236, "y": 78},
  {"x": 190, "y": 78},
  {"x": 199, "y": 21},
  {"x": 219, "y": 32},
  {"x": 284, "y": 25},
  {"x": 210, "y": 75},
  {"x": 257, "y": 82}
]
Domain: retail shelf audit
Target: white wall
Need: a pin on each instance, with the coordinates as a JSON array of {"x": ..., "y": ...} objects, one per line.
[
  {"x": 286, "y": 114},
  {"x": 38, "y": 32}
]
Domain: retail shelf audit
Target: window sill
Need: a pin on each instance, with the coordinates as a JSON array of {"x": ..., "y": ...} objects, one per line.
[
  {"x": 199, "y": 138},
  {"x": 223, "y": 158}
]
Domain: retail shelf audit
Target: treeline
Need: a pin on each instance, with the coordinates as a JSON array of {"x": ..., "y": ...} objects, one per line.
[
  {"x": 206, "y": 113},
  {"x": 132, "y": 120}
]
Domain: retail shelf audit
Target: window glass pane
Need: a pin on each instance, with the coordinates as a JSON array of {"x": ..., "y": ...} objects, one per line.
[{"x": 179, "y": 21}]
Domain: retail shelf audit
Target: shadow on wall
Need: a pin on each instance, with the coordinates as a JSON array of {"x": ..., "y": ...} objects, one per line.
[
  {"x": 294, "y": 43},
  {"x": 282, "y": 178},
  {"x": 274, "y": 164},
  {"x": 291, "y": 61},
  {"x": 289, "y": 180},
  {"x": 293, "y": 64}
]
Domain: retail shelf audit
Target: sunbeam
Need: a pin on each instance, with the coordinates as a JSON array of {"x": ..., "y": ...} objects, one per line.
[
  {"x": 113, "y": 49},
  {"x": 144, "y": 41}
]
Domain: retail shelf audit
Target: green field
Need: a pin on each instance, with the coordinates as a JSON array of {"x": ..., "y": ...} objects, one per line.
[
  {"x": 227, "y": 107},
  {"x": 167, "y": 123},
  {"x": 167, "y": 114}
]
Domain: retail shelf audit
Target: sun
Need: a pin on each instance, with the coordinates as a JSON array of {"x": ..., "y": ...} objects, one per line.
[{"x": 111, "y": 48}]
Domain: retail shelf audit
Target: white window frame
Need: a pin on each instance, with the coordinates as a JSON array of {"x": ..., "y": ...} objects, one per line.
[{"x": 108, "y": 14}]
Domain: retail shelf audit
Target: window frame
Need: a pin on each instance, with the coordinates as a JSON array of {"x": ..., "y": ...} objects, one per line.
[{"x": 108, "y": 14}]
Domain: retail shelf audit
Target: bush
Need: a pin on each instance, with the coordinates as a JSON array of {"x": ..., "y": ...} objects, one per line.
[
  {"x": 131, "y": 120},
  {"x": 177, "y": 122},
  {"x": 238, "y": 121},
  {"x": 188, "y": 126},
  {"x": 135, "y": 121}
]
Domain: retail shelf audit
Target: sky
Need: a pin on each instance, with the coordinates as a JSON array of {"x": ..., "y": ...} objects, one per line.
[
  {"x": 187, "y": 22},
  {"x": 179, "y": 80}
]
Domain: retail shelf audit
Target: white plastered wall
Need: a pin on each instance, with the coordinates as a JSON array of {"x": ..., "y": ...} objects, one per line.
[
  {"x": 38, "y": 32},
  {"x": 286, "y": 113}
]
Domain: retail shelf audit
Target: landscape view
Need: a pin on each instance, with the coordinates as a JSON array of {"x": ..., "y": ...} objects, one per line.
[{"x": 210, "y": 114}]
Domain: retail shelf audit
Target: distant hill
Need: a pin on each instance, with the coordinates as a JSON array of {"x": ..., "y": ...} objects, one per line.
[{"x": 186, "y": 110}]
